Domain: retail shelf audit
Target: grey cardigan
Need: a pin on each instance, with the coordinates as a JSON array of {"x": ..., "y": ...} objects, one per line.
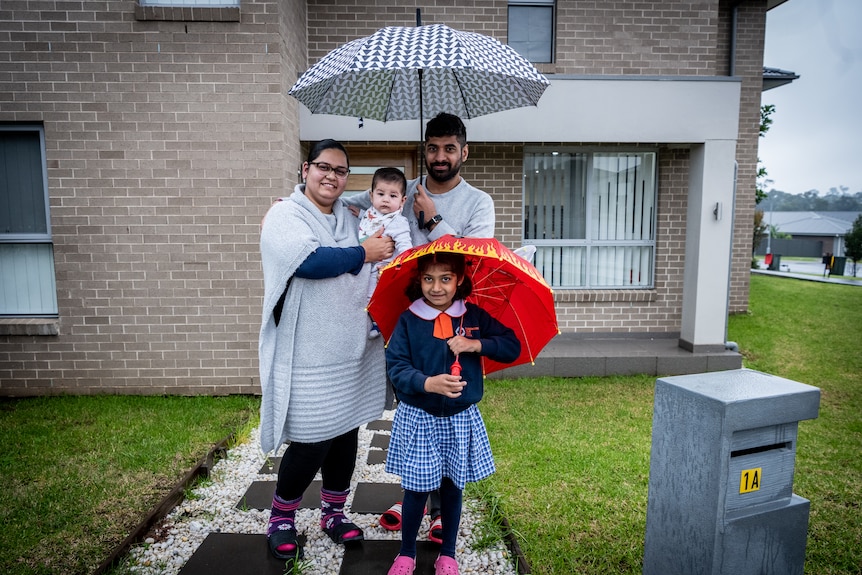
[{"x": 320, "y": 375}]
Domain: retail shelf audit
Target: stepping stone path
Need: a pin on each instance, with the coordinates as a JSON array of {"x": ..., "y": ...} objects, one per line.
[{"x": 230, "y": 540}]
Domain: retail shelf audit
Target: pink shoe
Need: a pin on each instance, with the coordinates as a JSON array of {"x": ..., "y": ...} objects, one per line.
[
  {"x": 445, "y": 565},
  {"x": 403, "y": 566}
]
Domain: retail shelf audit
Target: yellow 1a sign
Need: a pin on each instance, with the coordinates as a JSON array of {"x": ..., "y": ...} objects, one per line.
[{"x": 749, "y": 480}]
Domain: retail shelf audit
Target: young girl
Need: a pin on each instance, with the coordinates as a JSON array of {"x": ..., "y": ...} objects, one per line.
[{"x": 438, "y": 436}]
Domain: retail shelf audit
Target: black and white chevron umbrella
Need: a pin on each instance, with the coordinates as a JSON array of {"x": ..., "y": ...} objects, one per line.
[{"x": 406, "y": 73}]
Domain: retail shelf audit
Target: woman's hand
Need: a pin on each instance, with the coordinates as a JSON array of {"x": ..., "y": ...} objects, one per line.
[
  {"x": 445, "y": 384},
  {"x": 460, "y": 344},
  {"x": 378, "y": 247}
]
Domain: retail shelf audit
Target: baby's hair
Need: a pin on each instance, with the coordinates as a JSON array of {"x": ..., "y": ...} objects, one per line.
[
  {"x": 391, "y": 175},
  {"x": 457, "y": 263}
]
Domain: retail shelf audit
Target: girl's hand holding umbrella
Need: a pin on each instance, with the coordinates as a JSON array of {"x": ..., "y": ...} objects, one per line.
[
  {"x": 378, "y": 247},
  {"x": 460, "y": 344},
  {"x": 445, "y": 384}
]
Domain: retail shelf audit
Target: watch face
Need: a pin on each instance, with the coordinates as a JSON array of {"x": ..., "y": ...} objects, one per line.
[{"x": 435, "y": 220}]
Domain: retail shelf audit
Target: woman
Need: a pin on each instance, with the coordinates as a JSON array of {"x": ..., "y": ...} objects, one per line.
[{"x": 321, "y": 376}]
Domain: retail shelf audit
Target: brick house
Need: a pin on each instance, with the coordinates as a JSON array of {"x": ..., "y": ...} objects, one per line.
[{"x": 143, "y": 142}]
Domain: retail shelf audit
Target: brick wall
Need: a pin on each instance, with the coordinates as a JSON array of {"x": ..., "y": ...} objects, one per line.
[
  {"x": 165, "y": 144},
  {"x": 614, "y": 37},
  {"x": 751, "y": 24}
]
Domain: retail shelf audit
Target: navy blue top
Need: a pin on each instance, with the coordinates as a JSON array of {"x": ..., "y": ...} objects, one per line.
[
  {"x": 327, "y": 262},
  {"x": 414, "y": 354}
]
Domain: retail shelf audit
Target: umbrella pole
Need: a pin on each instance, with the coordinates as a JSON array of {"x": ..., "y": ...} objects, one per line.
[{"x": 421, "y": 133}]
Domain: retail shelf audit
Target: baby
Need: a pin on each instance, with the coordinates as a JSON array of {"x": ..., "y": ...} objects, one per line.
[{"x": 388, "y": 194}]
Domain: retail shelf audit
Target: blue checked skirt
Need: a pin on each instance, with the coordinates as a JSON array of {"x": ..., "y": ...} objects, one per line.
[{"x": 423, "y": 448}]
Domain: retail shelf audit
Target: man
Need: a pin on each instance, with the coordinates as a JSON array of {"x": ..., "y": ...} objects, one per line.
[{"x": 446, "y": 203}]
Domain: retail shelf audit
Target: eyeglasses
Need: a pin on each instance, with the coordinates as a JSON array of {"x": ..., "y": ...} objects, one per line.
[{"x": 340, "y": 173}]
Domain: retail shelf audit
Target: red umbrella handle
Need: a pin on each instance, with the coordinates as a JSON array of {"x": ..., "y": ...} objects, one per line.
[{"x": 456, "y": 367}]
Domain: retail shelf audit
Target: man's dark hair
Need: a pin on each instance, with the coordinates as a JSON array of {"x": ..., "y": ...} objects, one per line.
[
  {"x": 443, "y": 125},
  {"x": 391, "y": 175}
]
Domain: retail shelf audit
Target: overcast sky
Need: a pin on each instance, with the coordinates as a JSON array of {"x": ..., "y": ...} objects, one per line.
[{"x": 815, "y": 141}]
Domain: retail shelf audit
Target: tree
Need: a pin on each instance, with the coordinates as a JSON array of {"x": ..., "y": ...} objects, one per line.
[
  {"x": 760, "y": 228},
  {"x": 760, "y": 193},
  {"x": 760, "y": 184},
  {"x": 853, "y": 242}
]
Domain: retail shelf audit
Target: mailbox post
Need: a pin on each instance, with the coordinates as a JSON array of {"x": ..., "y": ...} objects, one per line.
[{"x": 721, "y": 498}]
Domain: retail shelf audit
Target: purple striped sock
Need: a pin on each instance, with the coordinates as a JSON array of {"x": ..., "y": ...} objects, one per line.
[
  {"x": 282, "y": 515},
  {"x": 332, "y": 510}
]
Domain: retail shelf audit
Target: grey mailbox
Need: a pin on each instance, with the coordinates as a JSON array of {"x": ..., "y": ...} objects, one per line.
[{"x": 721, "y": 495}]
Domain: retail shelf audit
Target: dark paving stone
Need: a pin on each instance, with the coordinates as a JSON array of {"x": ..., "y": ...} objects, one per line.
[
  {"x": 259, "y": 496},
  {"x": 379, "y": 425},
  {"x": 376, "y": 456},
  {"x": 375, "y": 498},
  {"x": 380, "y": 441},
  {"x": 376, "y": 557},
  {"x": 270, "y": 466},
  {"x": 235, "y": 554}
]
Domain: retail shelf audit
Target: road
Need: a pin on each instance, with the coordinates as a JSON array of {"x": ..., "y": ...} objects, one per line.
[{"x": 809, "y": 267}]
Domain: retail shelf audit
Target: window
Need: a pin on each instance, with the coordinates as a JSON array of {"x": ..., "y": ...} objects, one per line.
[
  {"x": 591, "y": 216},
  {"x": 191, "y": 3},
  {"x": 531, "y": 29},
  {"x": 27, "y": 284},
  {"x": 188, "y": 10}
]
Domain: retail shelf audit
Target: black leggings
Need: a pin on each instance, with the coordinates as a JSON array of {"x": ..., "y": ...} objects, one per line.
[{"x": 335, "y": 458}]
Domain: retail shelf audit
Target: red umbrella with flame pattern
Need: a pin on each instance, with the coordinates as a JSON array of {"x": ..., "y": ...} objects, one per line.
[{"x": 504, "y": 284}]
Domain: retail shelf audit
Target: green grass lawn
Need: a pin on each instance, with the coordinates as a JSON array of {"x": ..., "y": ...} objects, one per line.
[
  {"x": 79, "y": 473},
  {"x": 573, "y": 454}
]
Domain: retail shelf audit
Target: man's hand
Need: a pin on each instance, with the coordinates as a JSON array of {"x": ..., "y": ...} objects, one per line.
[{"x": 422, "y": 202}]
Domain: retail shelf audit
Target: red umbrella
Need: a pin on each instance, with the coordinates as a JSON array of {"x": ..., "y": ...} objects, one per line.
[{"x": 505, "y": 285}]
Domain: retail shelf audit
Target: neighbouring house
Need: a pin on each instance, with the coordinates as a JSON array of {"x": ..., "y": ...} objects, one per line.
[
  {"x": 143, "y": 141},
  {"x": 812, "y": 234}
]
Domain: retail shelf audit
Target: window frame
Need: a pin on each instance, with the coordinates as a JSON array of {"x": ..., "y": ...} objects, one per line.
[
  {"x": 590, "y": 244},
  {"x": 552, "y": 4},
  {"x": 33, "y": 238}
]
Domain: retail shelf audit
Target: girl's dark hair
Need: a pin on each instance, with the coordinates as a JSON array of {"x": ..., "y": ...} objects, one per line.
[
  {"x": 455, "y": 262},
  {"x": 327, "y": 144}
]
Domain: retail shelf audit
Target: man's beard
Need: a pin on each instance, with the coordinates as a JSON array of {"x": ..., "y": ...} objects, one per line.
[{"x": 442, "y": 177}]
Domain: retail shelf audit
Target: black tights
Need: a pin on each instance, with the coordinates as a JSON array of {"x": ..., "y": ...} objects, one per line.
[
  {"x": 450, "y": 514},
  {"x": 335, "y": 458}
]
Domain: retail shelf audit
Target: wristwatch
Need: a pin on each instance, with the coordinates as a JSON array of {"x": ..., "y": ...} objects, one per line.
[{"x": 429, "y": 225}]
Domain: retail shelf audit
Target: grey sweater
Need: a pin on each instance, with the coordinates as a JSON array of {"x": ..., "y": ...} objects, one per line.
[
  {"x": 320, "y": 375},
  {"x": 466, "y": 211}
]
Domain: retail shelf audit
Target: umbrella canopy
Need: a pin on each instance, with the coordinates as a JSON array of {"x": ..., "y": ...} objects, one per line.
[
  {"x": 505, "y": 285},
  {"x": 406, "y": 73}
]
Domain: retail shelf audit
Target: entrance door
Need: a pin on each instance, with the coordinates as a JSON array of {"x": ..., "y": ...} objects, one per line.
[{"x": 365, "y": 160}]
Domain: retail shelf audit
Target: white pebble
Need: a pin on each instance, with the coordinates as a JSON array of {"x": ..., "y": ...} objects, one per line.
[{"x": 213, "y": 510}]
